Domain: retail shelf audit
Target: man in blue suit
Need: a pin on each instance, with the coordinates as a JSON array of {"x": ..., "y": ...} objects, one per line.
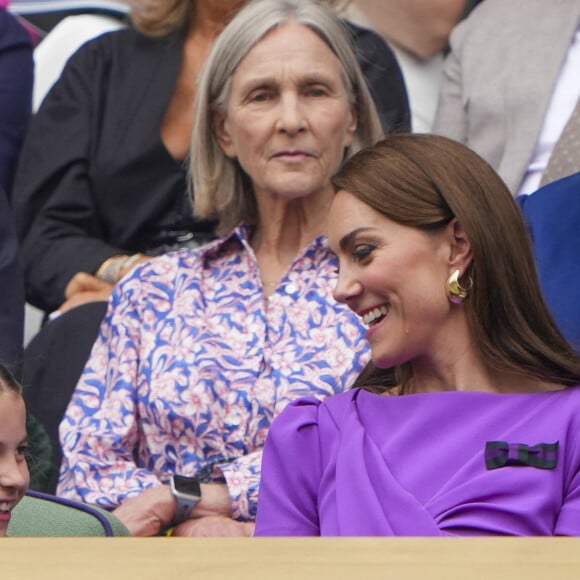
[{"x": 553, "y": 216}]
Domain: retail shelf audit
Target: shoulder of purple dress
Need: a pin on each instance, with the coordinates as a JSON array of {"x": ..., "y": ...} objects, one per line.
[
  {"x": 308, "y": 410},
  {"x": 334, "y": 409},
  {"x": 569, "y": 396},
  {"x": 571, "y": 402},
  {"x": 296, "y": 416}
]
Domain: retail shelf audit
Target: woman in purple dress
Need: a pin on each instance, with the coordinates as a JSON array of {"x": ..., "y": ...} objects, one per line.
[{"x": 467, "y": 421}]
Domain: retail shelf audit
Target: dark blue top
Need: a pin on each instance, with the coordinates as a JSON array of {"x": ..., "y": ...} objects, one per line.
[{"x": 16, "y": 74}]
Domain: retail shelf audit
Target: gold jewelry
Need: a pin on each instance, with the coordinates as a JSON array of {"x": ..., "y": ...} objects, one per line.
[
  {"x": 110, "y": 268},
  {"x": 455, "y": 292},
  {"x": 128, "y": 264}
]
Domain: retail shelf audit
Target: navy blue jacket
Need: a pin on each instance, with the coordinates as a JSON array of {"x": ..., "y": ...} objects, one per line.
[
  {"x": 553, "y": 216},
  {"x": 16, "y": 71},
  {"x": 16, "y": 74}
]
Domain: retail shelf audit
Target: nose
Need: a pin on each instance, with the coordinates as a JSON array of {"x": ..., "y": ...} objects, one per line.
[
  {"x": 292, "y": 119},
  {"x": 14, "y": 473},
  {"x": 347, "y": 288}
]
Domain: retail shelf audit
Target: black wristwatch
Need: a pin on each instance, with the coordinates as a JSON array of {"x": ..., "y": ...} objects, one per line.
[{"x": 187, "y": 494}]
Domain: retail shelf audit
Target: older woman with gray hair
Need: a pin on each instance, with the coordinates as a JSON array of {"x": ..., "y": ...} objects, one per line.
[
  {"x": 114, "y": 193},
  {"x": 202, "y": 348}
]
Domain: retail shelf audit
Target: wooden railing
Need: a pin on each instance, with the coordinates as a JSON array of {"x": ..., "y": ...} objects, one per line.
[{"x": 290, "y": 558}]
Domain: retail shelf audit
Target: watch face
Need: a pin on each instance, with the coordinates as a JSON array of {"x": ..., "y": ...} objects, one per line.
[{"x": 187, "y": 485}]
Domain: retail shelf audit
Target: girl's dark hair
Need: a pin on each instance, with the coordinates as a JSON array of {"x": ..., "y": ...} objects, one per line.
[
  {"x": 425, "y": 181},
  {"x": 8, "y": 384}
]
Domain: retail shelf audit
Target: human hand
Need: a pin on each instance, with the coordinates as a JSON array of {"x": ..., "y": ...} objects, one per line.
[
  {"x": 149, "y": 512},
  {"x": 82, "y": 283},
  {"x": 81, "y": 289},
  {"x": 214, "y": 526}
]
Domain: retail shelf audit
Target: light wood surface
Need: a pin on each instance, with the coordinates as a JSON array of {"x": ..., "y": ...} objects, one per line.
[{"x": 296, "y": 558}]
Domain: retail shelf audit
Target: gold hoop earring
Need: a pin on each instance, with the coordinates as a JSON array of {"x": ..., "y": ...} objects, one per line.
[{"x": 455, "y": 292}]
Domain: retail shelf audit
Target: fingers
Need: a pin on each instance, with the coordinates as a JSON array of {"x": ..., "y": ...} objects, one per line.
[
  {"x": 83, "y": 298},
  {"x": 83, "y": 282},
  {"x": 214, "y": 526}
]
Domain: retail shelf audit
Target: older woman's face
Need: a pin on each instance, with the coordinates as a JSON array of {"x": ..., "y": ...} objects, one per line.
[
  {"x": 14, "y": 476},
  {"x": 393, "y": 276},
  {"x": 289, "y": 118}
]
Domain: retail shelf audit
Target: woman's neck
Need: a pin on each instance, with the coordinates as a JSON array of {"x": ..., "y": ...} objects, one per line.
[
  {"x": 211, "y": 16},
  {"x": 468, "y": 372},
  {"x": 284, "y": 231},
  {"x": 455, "y": 363},
  {"x": 286, "y": 227}
]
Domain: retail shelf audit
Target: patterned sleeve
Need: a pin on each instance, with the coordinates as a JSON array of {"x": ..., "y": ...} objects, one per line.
[
  {"x": 243, "y": 478},
  {"x": 100, "y": 428}
]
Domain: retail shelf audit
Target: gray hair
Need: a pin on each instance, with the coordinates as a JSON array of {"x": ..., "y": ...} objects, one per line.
[
  {"x": 221, "y": 190},
  {"x": 157, "y": 18}
]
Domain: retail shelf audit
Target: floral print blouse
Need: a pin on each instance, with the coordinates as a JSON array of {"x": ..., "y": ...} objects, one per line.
[{"x": 192, "y": 364}]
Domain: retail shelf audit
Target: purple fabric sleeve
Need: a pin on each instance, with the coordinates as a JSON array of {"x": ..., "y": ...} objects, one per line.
[
  {"x": 568, "y": 522},
  {"x": 291, "y": 474}
]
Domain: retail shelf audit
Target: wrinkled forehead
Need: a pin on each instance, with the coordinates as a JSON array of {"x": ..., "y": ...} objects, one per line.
[
  {"x": 290, "y": 36},
  {"x": 293, "y": 48}
]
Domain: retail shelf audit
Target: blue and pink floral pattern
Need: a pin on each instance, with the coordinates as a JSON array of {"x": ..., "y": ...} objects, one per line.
[{"x": 192, "y": 364}]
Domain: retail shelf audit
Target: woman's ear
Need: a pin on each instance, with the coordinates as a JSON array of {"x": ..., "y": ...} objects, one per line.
[
  {"x": 220, "y": 128},
  {"x": 460, "y": 255},
  {"x": 351, "y": 126}
]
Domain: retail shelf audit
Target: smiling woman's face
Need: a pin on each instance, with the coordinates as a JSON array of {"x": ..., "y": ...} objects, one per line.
[
  {"x": 14, "y": 476},
  {"x": 289, "y": 117},
  {"x": 393, "y": 276}
]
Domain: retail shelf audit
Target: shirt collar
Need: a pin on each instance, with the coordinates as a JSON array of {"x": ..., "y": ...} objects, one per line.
[{"x": 239, "y": 239}]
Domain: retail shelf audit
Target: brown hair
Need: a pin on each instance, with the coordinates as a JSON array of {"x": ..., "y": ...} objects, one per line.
[
  {"x": 8, "y": 384},
  {"x": 157, "y": 18},
  {"x": 425, "y": 181}
]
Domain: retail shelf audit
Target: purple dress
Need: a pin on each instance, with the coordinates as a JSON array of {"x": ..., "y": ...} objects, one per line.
[{"x": 432, "y": 464}]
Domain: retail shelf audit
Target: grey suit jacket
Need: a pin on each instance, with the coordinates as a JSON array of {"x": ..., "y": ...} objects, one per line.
[{"x": 499, "y": 77}]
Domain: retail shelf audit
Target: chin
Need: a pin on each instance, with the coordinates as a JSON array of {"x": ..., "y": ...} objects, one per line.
[
  {"x": 382, "y": 363},
  {"x": 385, "y": 361},
  {"x": 296, "y": 190}
]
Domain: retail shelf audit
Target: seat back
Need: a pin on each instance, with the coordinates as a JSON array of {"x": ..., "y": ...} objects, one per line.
[
  {"x": 51, "y": 55},
  {"x": 45, "y": 15},
  {"x": 39, "y": 514}
]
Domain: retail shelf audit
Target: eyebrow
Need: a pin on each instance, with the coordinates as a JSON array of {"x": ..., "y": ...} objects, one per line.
[
  {"x": 347, "y": 240},
  {"x": 309, "y": 78}
]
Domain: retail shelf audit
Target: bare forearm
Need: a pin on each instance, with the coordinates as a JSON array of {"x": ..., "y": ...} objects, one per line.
[{"x": 420, "y": 26}]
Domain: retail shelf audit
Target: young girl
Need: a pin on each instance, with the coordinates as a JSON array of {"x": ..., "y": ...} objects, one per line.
[{"x": 14, "y": 475}]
